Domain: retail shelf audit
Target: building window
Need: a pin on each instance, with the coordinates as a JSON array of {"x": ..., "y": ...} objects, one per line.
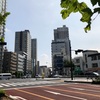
[
  {"x": 99, "y": 57},
  {"x": 94, "y": 65},
  {"x": 77, "y": 60},
  {"x": 94, "y": 57},
  {"x": 86, "y": 66},
  {"x": 85, "y": 58}
]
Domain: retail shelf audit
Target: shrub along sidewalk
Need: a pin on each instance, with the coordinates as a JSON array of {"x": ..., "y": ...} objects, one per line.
[{"x": 3, "y": 95}]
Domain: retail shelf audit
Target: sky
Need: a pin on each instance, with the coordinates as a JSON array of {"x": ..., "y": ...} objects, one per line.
[{"x": 41, "y": 17}]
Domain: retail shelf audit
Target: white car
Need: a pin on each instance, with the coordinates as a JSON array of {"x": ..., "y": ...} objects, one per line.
[
  {"x": 57, "y": 76},
  {"x": 38, "y": 76}
]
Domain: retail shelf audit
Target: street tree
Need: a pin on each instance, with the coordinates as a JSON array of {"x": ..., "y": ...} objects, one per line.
[
  {"x": 74, "y": 6},
  {"x": 3, "y": 22}
]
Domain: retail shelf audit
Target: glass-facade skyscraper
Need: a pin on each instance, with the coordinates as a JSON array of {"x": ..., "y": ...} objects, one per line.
[{"x": 23, "y": 46}]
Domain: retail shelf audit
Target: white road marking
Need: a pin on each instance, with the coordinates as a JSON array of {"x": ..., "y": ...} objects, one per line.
[
  {"x": 5, "y": 85},
  {"x": 11, "y": 84},
  {"x": 57, "y": 93},
  {"x": 77, "y": 88},
  {"x": 84, "y": 89},
  {"x": 17, "y": 97},
  {"x": 1, "y": 86},
  {"x": 24, "y": 83}
]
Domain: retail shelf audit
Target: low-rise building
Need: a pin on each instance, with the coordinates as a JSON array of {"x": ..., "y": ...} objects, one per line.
[{"x": 9, "y": 62}]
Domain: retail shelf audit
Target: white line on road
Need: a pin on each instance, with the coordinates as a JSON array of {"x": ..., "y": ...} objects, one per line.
[
  {"x": 77, "y": 88},
  {"x": 85, "y": 89},
  {"x": 57, "y": 93},
  {"x": 5, "y": 85},
  {"x": 17, "y": 97},
  {"x": 1, "y": 86}
]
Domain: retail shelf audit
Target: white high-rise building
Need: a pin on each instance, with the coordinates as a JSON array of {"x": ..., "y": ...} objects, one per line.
[
  {"x": 61, "y": 49},
  {"x": 23, "y": 46}
]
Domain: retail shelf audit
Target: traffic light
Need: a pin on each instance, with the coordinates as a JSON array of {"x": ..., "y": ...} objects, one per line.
[{"x": 79, "y": 50}]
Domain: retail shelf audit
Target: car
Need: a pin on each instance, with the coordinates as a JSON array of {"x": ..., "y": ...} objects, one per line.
[
  {"x": 57, "y": 76},
  {"x": 92, "y": 75},
  {"x": 24, "y": 76},
  {"x": 38, "y": 76}
]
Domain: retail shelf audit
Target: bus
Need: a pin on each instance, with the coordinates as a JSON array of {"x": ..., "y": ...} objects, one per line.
[{"x": 5, "y": 76}]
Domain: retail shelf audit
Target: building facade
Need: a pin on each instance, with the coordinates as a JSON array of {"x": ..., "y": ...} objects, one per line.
[
  {"x": 20, "y": 63},
  {"x": 34, "y": 55},
  {"x": 9, "y": 62},
  {"x": 89, "y": 61},
  {"x": 2, "y": 30},
  {"x": 86, "y": 60},
  {"x": 61, "y": 49},
  {"x": 23, "y": 44},
  {"x": 2, "y": 11}
]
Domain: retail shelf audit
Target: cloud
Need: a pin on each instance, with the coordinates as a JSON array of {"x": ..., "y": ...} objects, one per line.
[
  {"x": 7, "y": 30},
  {"x": 45, "y": 60}
]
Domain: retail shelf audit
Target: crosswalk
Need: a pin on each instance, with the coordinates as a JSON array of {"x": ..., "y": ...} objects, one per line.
[{"x": 14, "y": 84}]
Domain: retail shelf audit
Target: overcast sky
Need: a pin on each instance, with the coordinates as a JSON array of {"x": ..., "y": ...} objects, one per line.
[{"x": 41, "y": 17}]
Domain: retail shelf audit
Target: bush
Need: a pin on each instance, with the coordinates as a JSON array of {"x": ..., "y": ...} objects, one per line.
[{"x": 2, "y": 93}]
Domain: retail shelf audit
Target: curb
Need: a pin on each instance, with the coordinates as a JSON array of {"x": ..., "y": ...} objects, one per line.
[
  {"x": 79, "y": 81},
  {"x": 47, "y": 79}
]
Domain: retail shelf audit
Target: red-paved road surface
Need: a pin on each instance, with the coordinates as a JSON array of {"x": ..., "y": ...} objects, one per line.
[{"x": 59, "y": 92}]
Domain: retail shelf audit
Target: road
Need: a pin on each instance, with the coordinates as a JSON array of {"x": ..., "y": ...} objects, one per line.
[{"x": 55, "y": 90}]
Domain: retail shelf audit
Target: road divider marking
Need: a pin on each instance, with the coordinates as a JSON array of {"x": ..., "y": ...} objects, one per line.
[
  {"x": 57, "y": 93},
  {"x": 94, "y": 95},
  {"x": 33, "y": 94}
]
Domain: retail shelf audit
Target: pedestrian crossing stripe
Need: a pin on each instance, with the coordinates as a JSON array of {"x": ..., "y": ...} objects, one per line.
[
  {"x": 1, "y": 86},
  {"x": 24, "y": 83}
]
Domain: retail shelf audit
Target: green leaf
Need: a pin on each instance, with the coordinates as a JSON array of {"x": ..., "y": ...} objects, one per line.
[
  {"x": 97, "y": 10},
  {"x": 65, "y": 3},
  {"x": 87, "y": 28},
  {"x": 94, "y": 2},
  {"x": 82, "y": 6},
  {"x": 65, "y": 13}
]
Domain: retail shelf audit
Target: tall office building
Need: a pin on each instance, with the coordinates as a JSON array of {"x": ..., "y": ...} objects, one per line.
[
  {"x": 61, "y": 49},
  {"x": 2, "y": 30},
  {"x": 23, "y": 46},
  {"x": 34, "y": 56}
]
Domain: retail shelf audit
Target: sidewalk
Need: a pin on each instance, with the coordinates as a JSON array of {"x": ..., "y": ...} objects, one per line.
[{"x": 78, "y": 80}]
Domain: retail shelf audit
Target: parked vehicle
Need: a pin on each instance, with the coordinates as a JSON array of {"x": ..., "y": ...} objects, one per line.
[
  {"x": 57, "y": 76},
  {"x": 5, "y": 76},
  {"x": 92, "y": 75},
  {"x": 24, "y": 76},
  {"x": 38, "y": 76}
]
